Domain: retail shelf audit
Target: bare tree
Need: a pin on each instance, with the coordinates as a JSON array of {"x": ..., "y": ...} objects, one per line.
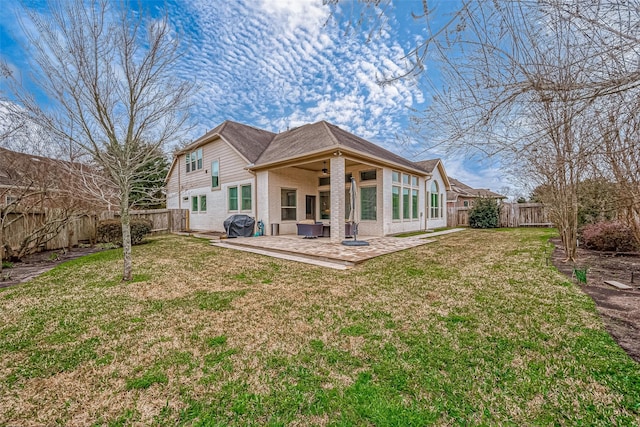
[
  {"x": 110, "y": 76},
  {"x": 39, "y": 198}
]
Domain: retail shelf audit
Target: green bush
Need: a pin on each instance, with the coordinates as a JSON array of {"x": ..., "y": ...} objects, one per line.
[
  {"x": 485, "y": 214},
  {"x": 110, "y": 231}
]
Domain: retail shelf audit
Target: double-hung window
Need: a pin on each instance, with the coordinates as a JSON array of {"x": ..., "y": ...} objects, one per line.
[
  {"x": 233, "y": 198},
  {"x": 199, "y": 203},
  {"x": 194, "y": 160},
  {"x": 245, "y": 191}
]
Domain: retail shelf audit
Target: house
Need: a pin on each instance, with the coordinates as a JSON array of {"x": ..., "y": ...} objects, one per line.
[
  {"x": 304, "y": 174},
  {"x": 463, "y": 196}
]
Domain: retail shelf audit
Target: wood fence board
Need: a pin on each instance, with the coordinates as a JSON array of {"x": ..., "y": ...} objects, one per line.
[{"x": 511, "y": 215}]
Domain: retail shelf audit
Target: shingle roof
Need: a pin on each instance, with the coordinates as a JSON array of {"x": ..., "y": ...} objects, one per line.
[
  {"x": 428, "y": 165},
  {"x": 463, "y": 189},
  {"x": 16, "y": 166},
  {"x": 320, "y": 136},
  {"x": 249, "y": 141}
]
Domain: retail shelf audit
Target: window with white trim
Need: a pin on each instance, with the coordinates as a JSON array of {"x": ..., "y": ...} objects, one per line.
[
  {"x": 368, "y": 203},
  {"x": 434, "y": 202},
  {"x": 245, "y": 193},
  {"x": 215, "y": 174},
  {"x": 194, "y": 160},
  {"x": 288, "y": 210},
  {"x": 404, "y": 196},
  {"x": 232, "y": 193}
]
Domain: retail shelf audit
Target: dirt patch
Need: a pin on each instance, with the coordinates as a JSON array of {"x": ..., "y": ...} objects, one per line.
[
  {"x": 36, "y": 264},
  {"x": 620, "y": 309}
]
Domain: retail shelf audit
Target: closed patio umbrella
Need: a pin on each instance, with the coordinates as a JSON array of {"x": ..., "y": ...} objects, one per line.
[{"x": 352, "y": 217}]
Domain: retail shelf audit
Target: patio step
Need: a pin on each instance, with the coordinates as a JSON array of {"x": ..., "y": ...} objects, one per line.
[{"x": 276, "y": 253}]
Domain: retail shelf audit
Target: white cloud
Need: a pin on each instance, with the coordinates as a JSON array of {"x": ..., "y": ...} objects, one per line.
[{"x": 275, "y": 64}]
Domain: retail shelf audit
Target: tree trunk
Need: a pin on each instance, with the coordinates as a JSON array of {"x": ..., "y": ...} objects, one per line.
[{"x": 126, "y": 238}]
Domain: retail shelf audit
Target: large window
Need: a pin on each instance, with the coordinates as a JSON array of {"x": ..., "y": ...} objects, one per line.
[
  {"x": 194, "y": 160},
  {"x": 368, "y": 203},
  {"x": 194, "y": 203},
  {"x": 246, "y": 197},
  {"x": 233, "y": 198},
  {"x": 288, "y": 204},
  {"x": 404, "y": 196},
  {"x": 406, "y": 204},
  {"x": 435, "y": 201},
  {"x": 325, "y": 204},
  {"x": 215, "y": 174},
  {"x": 395, "y": 199}
]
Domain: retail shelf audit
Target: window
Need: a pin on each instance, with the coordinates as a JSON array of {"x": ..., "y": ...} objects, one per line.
[
  {"x": 288, "y": 204},
  {"x": 465, "y": 203},
  {"x": 233, "y": 198},
  {"x": 404, "y": 198},
  {"x": 194, "y": 160},
  {"x": 435, "y": 210},
  {"x": 325, "y": 205},
  {"x": 368, "y": 175},
  {"x": 324, "y": 180},
  {"x": 246, "y": 197},
  {"x": 368, "y": 202},
  {"x": 406, "y": 204},
  {"x": 10, "y": 199},
  {"x": 215, "y": 174},
  {"x": 203, "y": 203},
  {"x": 194, "y": 203},
  {"x": 395, "y": 199},
  {"x": 347, "y": 204}
]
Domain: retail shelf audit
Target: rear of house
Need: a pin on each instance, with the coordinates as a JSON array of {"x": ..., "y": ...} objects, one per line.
[{"x": 304, "y": 175}]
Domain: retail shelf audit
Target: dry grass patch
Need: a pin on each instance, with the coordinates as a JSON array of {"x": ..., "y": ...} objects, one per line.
[{"x": 474, "y": 329}]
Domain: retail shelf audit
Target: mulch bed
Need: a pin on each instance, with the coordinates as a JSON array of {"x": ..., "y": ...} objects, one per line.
[
  {"x": 38, "y": 263},
  {"x": 620, "y": 309}
]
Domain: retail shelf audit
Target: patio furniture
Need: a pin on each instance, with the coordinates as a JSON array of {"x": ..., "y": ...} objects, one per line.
[
  {"x": 348, "y": 230},
  {"x": 309, "y": 229}
]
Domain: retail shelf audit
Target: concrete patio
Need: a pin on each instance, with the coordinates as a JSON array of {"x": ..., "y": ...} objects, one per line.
[{"x": 322, "y": 252}]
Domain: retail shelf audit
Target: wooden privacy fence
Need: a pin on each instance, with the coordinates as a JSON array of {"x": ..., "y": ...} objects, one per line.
[
  {"x": 162, "y": 220},
  {"x": 511, "y": 215},
  {"x": 83, "y": 228},
  {"x": 78, "y": 229}
]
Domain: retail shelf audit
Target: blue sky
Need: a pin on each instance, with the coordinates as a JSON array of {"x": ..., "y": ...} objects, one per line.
[{"x": 276, "y": 64}]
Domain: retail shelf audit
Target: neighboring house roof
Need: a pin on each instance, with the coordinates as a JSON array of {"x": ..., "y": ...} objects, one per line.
[
  {"x": 16, "y": 166},
  {"x": 323, "y": 136},
  {"x": 460, "y": 189}
]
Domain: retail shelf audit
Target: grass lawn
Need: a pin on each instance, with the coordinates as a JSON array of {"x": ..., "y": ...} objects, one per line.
[{"x": 473, "y": 329}]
